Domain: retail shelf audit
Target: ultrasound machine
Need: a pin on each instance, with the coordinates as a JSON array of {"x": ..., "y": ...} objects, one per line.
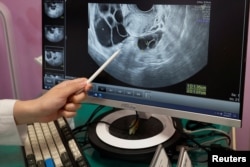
[{"x": 179, "y": 60}]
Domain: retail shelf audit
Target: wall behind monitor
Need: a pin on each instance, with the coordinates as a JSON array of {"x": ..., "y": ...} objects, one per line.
[
  {"x": 26, "y": 17},
  {"x": 26, "y": 31},
  {"x": 5, "y": 71}
]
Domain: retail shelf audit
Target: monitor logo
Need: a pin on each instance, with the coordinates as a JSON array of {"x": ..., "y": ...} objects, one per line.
[{"x": 128, "y": 106}]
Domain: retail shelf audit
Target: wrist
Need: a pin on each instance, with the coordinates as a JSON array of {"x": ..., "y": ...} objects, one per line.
[{"x": 24, "y": 112}]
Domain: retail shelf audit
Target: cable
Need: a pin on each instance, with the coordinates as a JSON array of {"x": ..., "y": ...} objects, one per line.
[
  {"x": 205, "y": 129},
  {"x": 206, "y": 146},
  {"x": 83, "y": 141},
  {"x": 185, "y": 135},
  {"x": 213, "y": 141},
  {"x": 214, "y": 132},
  {"x": 195, "y": 125},
  {"x": 79, "y": 128}
]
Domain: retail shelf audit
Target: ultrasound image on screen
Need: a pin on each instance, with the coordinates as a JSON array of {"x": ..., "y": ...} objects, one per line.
[
  {"x": 54, "y": 33},
  {"x": 160, "y": 46},
  {"x": 54, "y": 9},
  {"x": 54, "y": 58}
]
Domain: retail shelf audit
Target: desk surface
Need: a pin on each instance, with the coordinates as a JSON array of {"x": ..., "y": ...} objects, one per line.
[{"x": 13, "y": 155}]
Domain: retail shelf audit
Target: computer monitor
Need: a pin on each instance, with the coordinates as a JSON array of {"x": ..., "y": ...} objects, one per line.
[{"x": 183, "y": 59}]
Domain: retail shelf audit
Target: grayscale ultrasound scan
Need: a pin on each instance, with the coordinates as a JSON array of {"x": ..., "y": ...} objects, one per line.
[
  {"x": 55, "y": 58},
  {"x": 54, "y": 33},
  {"x": 54, "y": 9},
  {"x": 160, "y": 46}
]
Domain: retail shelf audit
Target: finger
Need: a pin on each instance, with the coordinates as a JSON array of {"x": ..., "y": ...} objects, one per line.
[
  {"x": 68, "y": 114},
  {"x": 88, "y": 86},
  {"x": 72, "y": 86},
  {"x": 78, "y": 98},
  {"x": 72, "y": 107}
]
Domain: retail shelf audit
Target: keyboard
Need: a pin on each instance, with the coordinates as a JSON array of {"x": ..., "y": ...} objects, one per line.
[{"x": 52, "y": 145}]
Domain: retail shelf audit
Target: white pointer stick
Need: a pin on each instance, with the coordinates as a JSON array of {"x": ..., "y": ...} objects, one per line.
[
  {"x": 105, "y": 64},
  {"x": 101, "y": 68}
]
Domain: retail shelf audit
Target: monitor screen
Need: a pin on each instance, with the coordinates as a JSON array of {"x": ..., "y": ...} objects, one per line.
[{"x": 185, "y": 59}]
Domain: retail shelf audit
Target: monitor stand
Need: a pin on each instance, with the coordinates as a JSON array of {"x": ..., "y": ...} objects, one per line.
[{"x": 131, "y": 135}]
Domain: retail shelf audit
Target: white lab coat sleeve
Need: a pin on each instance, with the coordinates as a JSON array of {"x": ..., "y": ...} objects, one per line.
[{"x": 10, "y": 133}]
